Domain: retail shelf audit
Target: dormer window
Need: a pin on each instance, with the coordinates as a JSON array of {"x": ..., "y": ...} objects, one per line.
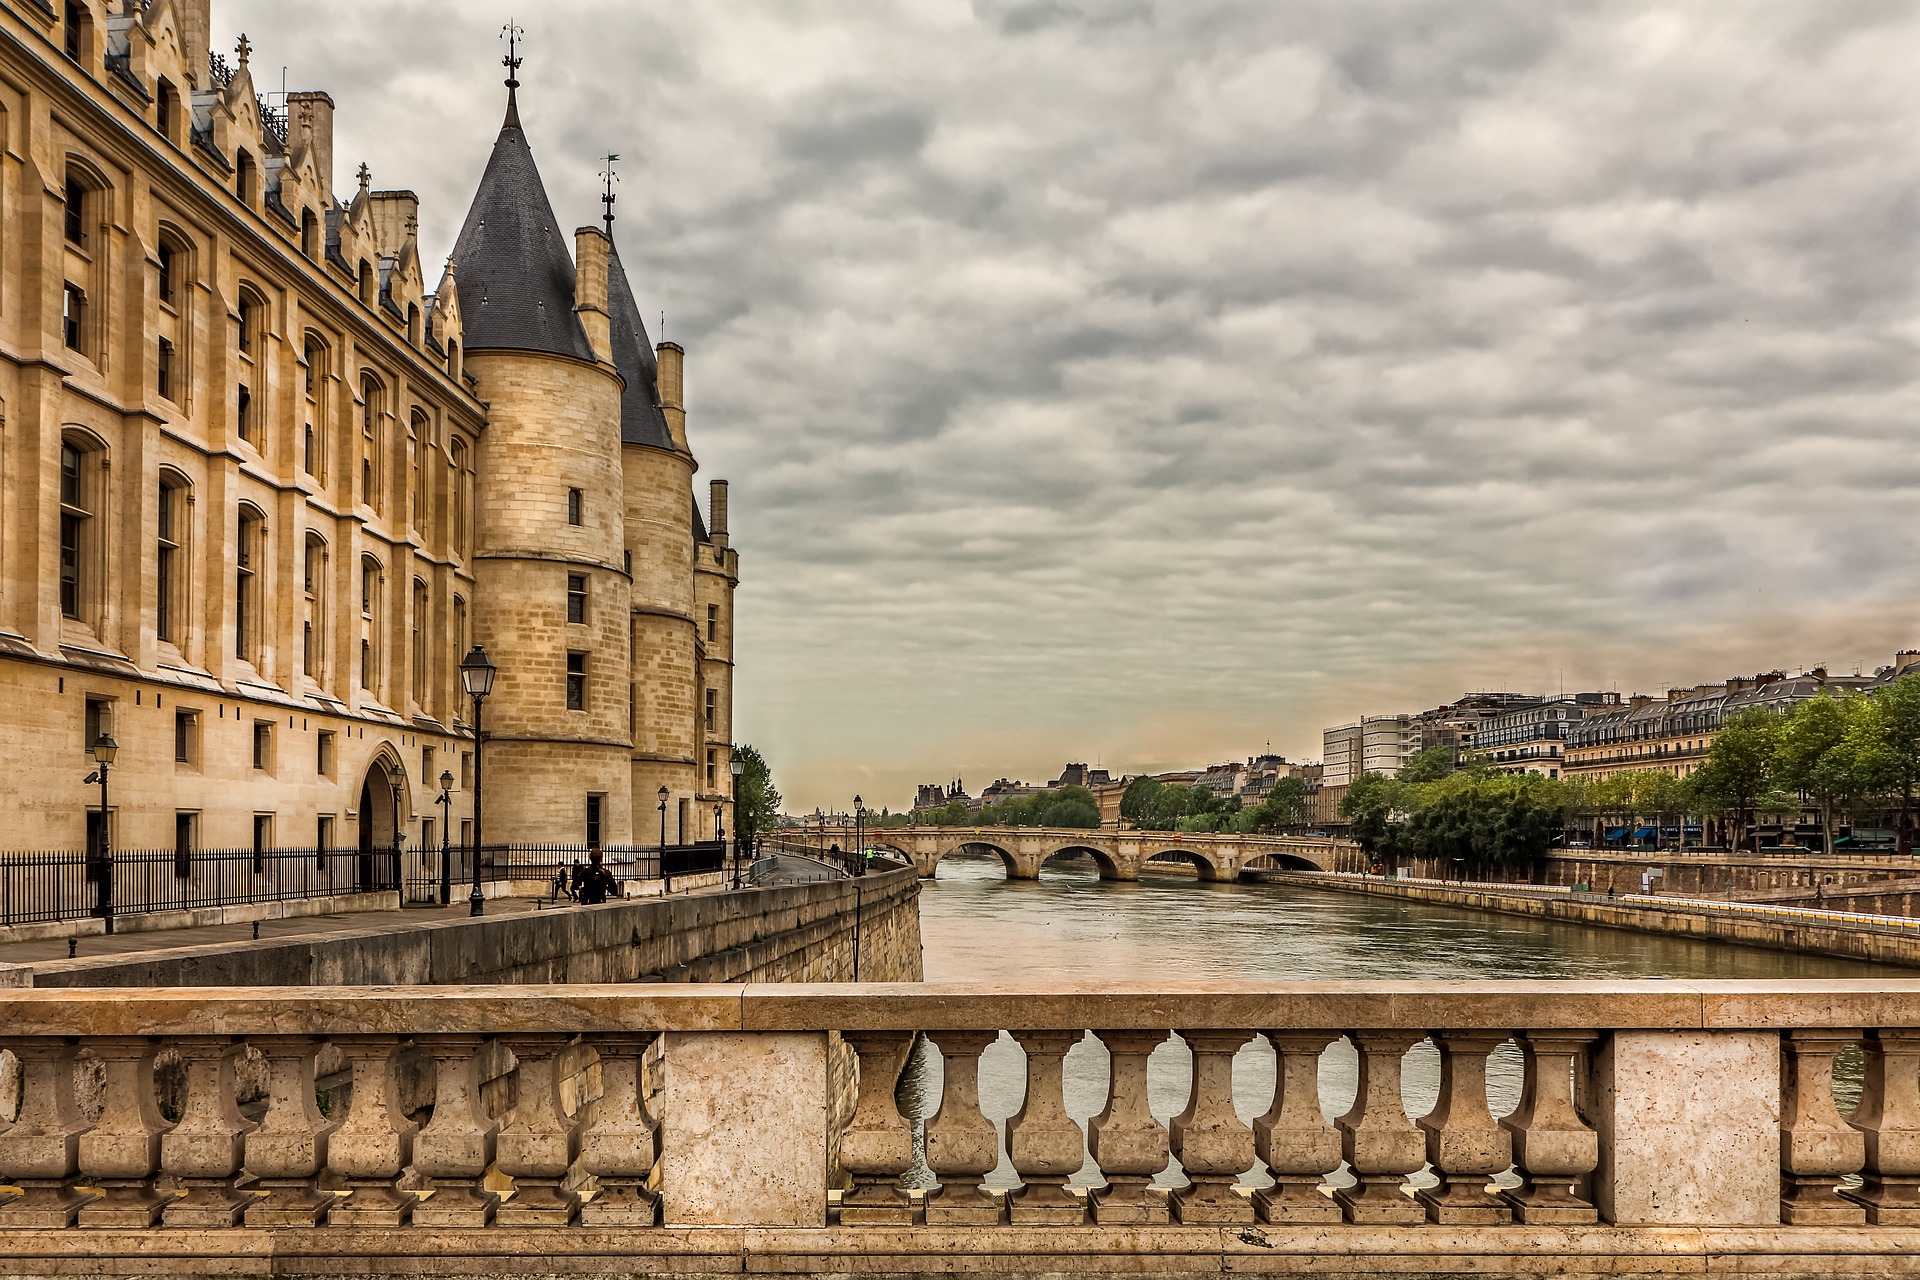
[
  {"x": 366, "y": 282},
  {"x": 78, "y": 26},
  {"x": 166, "y": 110},
  {"x": 309, "y": 234},
  {"x": 243, "y": 173}
]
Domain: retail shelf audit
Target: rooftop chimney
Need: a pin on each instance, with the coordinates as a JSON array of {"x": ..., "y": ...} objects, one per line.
[
  {"x": 196, "y": 39},
  {"x": 717, "y": 512},
  {"x": 310, "y": 117},
  {"x": 673, "y": 406},
  {"x": 590, "y": 248}
]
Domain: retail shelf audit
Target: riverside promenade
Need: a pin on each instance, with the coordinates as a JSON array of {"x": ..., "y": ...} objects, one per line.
[{"x": 1851, "y": 935}]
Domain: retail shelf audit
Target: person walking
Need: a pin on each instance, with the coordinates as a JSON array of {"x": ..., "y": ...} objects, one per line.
[{"x": 579, "y": 878}]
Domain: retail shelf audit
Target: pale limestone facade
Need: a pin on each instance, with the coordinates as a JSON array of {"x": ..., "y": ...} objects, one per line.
[{"x": 257, "y": 496}]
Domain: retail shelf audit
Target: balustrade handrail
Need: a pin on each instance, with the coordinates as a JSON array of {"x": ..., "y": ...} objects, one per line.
[{"x": 1706, "y": 1004}]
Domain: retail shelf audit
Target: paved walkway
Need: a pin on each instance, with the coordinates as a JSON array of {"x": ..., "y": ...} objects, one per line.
[{"x": 120, "y": 944}]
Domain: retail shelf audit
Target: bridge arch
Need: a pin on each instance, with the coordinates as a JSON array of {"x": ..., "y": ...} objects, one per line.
[
  {"x": 1210, "y": 864},
  {"x": 1110, "y": 869},
  {"x": 1277, "y": 861},
  {"x": 1006, "y": 856}
]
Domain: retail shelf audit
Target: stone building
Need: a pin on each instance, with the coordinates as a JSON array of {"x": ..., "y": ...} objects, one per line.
[{"x": 260, "y": 488}]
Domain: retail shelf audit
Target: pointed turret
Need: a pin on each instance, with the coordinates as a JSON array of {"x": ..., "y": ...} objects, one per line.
[
  {"x": 641, "y": 421},
  {"x": 516, "y": 276}
]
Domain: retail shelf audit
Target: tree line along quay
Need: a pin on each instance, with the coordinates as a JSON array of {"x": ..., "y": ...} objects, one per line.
[{"x": 1805, "y": 777}]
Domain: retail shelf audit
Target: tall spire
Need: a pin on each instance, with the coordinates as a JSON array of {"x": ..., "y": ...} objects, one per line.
[
  {"x": 513, "y": 34},
  {"x": 610, "y": 177}
]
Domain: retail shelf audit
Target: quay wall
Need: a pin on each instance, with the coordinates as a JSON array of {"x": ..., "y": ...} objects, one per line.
[
  {"x": 1816, "y": 937},
  {"x": 814, "y": 932},
  {"x": 1715, "y": 874}
]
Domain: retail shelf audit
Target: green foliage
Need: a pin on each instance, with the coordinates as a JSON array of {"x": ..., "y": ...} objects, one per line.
[
  {"x": 1285, "y": 805},
  {"x": 1429, "y": 765},
  {"x": 1059, "y": 807},
  {"x": 757, "y": 800}
]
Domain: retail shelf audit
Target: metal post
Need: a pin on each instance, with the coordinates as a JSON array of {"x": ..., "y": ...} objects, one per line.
[
  {"x": 106, "y": 855},
  {"x": 446, "y": 849},
  {"x": 477, "y": 900},
  {"x": 399, "y": 840}
]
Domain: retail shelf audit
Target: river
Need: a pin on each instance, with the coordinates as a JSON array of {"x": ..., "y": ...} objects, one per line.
[{"x": 978, "y": 926}]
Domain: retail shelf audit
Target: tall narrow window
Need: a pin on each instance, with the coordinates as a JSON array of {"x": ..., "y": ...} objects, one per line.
[
  {"x": 576, "y": 597},
  {"x": 183, "y": 824},
  {"x": 313, "y": 574},
  {"x": 366, "y": 282},
  {"x": 243, "y": 412},
  {"x": 309, "y": 234},
  {"x": 76, "y": 530},
  {"x": 713, "y": 699},
  {"x": 573, "y": 506},
  {"x": 166, "y": 110},
  {"x": 171, "y": 532},
  {"x": 167, "y": 255},
  {"x": 713, "y": 622},
  {"x": 243, "y": 171},
  {"x": 421, "y": 603},
  {"x": 75, "y": 218},
  {"x": 73, "y": 316},
  {"x": 576, "y": 682},
  {"x": 370, "y": 449},
  {"x": 77, "y": 29},
  {"x": 249, "y": 323},
  {"x": 593, "y": 821},
  {"x": 369, "y": 585},
  {"x": 163, "y": 370},
  {"x": 313, "y": 434},
  {"x": 460, "y": 645},
  {"x": 249, "y": 554},
  {"x": 461, "y": 506}
]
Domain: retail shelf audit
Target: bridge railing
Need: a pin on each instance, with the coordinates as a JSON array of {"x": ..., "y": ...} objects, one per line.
[{"x": 1630, "y": 1104}]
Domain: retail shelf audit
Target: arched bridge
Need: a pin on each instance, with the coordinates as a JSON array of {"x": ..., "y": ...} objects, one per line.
[{"x": 1120, "y": 855}]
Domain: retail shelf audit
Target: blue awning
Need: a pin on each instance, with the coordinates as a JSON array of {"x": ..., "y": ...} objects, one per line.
[
  {"x": 1616, "y": 833},
  {"x": 1643, "y": 833}
]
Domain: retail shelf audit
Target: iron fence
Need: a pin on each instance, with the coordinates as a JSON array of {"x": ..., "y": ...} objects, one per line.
[{"x": 41, "y": 886}]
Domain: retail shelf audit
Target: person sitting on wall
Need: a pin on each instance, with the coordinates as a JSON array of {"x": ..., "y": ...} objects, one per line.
[{"x": 596, "y": 883}]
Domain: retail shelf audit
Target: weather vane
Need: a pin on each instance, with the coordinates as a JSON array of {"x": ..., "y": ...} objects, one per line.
[
  {"x": 513, "y": 34},
  {"x": 609, "y": 177}
]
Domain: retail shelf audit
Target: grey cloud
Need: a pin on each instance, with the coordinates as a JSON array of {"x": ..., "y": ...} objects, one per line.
[{"x": 1150, "y": 381}]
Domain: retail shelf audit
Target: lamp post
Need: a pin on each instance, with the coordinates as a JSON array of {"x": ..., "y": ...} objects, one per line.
[
  {"x": 399, "y": 839},
  {"x": 104, "y": 749},
  {"x": 666, "y": 881},
  {"x": 477, "y": 674},
  {"x": 859, "y": 841},
  {"x": 446, "y": 825},
  {"x": 737, "y": 767}
]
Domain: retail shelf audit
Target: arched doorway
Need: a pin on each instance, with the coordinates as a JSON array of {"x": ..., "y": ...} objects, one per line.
[{"x": 377, "y": 867}]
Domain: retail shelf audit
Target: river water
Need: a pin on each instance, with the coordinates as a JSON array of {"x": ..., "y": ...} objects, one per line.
[{"x": 1069, "y": 925}]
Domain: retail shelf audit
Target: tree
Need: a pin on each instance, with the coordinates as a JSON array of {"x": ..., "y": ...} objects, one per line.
[
  {"x": 1285, "y": 805},
  {"x": 1139, "y": 801},
  {"x": 1892, "y": 747},
  {"x": 756, "y": 799},
  {"x": 1369, "y": 806},
  {"x": 1819, "y": 751},
  {"x": 1739, "y": 765},
  {"x": 1429, "y": 765}
]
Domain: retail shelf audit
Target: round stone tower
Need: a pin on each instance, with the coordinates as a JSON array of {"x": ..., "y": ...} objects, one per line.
[{"x": 552, "y": 588}]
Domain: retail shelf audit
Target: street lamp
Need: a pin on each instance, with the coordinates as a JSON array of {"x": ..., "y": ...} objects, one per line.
[
  {"x": 859, "y": 841},
  {"x": 737, "y": 767},
  {"x": 477, "y": 673},
  {"x": 104, "y": 749},
  {"x": 666, "y": 879},
  {"x": 446, "y": 825}
]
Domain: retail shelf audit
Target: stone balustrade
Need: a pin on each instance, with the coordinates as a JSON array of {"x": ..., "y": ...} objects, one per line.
[{"x": 1655, "y": 1104}]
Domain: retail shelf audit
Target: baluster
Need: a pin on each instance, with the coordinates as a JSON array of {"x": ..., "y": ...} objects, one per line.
[
  {"x": 1465, "y": 1145},
  {"x": 1299, "y": 1146},
  {"x": 202, "y": 1153},
  {"x": 1214, "y": 1147},
  {"x": 1553, "y": 1149},
  {"x": 1889, "y": 1120},
  {"x": 1377, "y": 1139},
  {"x": 40, "y": 1151},
  {"x": 963, "y": 1145},
  {"x": 1817, "y": 1147},
  {"x": 371, "y": 1149},
  {"x": 289, "y": 1150},
  {"x": 619, "y": 1146},
  {"x": 1128, "y": 1144},
  {"x": 1043, "y": 1142},
  {"x": 456, "y": 1146},
  {"x": 876, "y": 1147},
  {"x": 539, "y": 1142},
  {"x": 121, "y": 1154}
]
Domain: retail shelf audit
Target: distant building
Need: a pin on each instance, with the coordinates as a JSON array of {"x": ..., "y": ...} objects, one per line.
[
  {"x": 1532, "y": 738},
  {"x": 1373, "y": 744},
  {"x": 933, "y": 795},
  {"x": 1079, "y": 775}
]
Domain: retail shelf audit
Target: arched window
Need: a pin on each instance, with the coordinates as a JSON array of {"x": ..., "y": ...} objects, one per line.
[
  {"x": 372, "y": 414},
  {"x": 82, "y": 499},
  {"x": 314, "y": 624},
  {"x": 370, "y": 629},
  {"x": 422, "y": 488},
  {"x": 250, "y": 560},
  {"x": 460, "y": 482},
  {"x": 461, "y": 644},
  {"x": 252, "y": 309},
  {"x": 170, "y": 557},
  {"x": 421, "y": 603},
  {"x": 313, "y": 431}
]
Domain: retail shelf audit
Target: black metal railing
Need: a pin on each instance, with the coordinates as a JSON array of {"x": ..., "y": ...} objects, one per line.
[
  {"x": 47, "y": 885},
  {"x": 40, "y": 886}
]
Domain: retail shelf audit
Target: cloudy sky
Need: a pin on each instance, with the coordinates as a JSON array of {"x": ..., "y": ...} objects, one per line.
[{"x": 1146, "y": 381}]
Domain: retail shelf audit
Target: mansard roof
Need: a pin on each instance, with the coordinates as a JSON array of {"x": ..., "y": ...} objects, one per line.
[
  {"x": 641, "y": 421},
  {"x": 516, "y": 276}
]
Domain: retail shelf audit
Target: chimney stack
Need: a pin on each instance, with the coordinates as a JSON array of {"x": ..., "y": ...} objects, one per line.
[
  {"x": 673, "y": 358},
  {"x": 717, "y": 512},
  {"x": 590, "y": 245},
  {"x": 310, "y": 116},
  {"x": 196, "y": 40},
  {"x": 396, "y": 220}
]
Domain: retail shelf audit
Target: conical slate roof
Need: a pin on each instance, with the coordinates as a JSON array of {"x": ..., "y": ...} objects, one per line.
[
  {"x": 516, "y": 276},
  {"x": 641, "y": 421}
]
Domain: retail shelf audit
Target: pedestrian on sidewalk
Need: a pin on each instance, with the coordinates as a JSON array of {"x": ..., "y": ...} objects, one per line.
[{"x": 579, "y": 877}]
